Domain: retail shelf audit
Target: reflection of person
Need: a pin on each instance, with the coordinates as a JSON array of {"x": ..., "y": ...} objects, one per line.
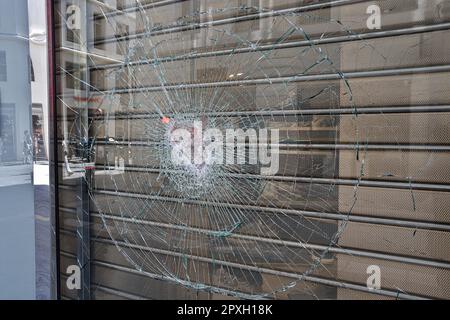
[
  {"x": 27, "y": 147},
  {"x": 37, "y": 144}
]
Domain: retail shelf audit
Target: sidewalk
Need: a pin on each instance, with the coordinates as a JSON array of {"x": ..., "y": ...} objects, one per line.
[
  {"x": 16, "y": 192},
  {"x": 18, "y": 174}
]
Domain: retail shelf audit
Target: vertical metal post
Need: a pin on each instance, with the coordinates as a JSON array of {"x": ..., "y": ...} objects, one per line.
[
  {"x": 53, "y": 155},
  {"x": 84, "y": 237},
  {"x": 84, "y": 147}
]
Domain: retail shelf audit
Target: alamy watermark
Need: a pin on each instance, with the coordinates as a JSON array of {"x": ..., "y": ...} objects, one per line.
[
  {"x": 374, "y": 20},
  {"x": 73, "y": 281},
  {"x": 374, "y": 279},
  {"x": 191, "y": 145}
]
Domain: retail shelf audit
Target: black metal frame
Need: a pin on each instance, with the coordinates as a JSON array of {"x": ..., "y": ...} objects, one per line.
[{"x": 53, "y": 153}]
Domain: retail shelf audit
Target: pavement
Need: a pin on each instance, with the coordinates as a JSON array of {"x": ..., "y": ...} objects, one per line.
[{"x": 16, "y": 193}]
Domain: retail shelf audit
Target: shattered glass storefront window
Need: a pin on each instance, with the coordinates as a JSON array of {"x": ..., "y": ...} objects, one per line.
[{"x": 253, "y": 149}]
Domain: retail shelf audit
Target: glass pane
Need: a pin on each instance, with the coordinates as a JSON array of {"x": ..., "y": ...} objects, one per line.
[
  {"x": 25, "y": 236},
  {"x": 254, "y": 149}
]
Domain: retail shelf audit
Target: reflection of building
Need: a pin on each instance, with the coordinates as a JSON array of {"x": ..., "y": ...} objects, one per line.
[
  {"x": 84, "y": 22},
  {"x": 15, "y": 105}
]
